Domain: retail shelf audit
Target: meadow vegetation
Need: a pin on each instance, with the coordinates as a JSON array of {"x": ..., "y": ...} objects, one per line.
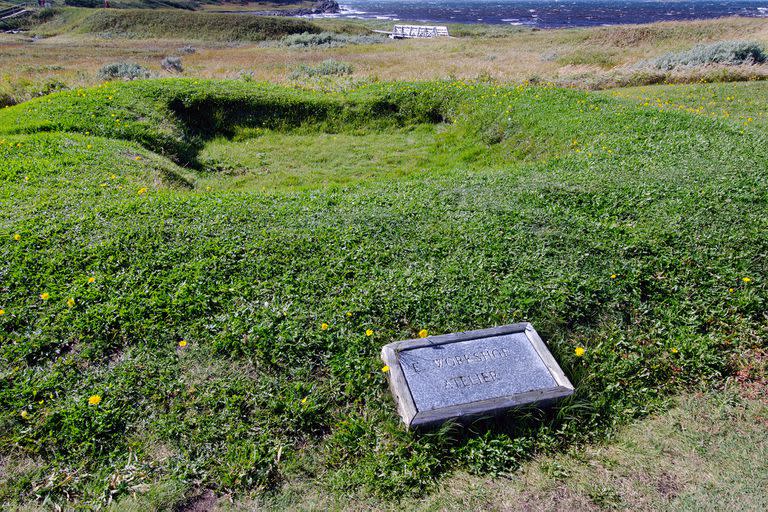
[
  {"x": 67, "y": 47},
  {"x": 164, "y": 306}
]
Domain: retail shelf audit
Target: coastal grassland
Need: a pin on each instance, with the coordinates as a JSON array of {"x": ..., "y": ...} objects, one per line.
[
  {"x": 73, "y": 44},
  {"x": 190, "y": 299}
]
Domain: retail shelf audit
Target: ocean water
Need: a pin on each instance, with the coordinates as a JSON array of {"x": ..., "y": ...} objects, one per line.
[{"x": 549, "y": 13}]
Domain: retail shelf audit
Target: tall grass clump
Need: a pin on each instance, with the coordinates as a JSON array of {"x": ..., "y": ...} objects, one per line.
[
  {"x": 123, "y": 71},
  {"x": 330, "y": 67},
  {"x": 729, "y": 53},
  {"x": 327, "y": 40}
]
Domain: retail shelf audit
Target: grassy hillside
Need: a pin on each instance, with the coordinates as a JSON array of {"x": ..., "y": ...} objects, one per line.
[
  {"x": 173, "y": 24},
  {"x": 163, "y": 304}
]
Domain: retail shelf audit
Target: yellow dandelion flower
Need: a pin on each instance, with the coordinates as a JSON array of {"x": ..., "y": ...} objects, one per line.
[
  {"x": 70, "y": 302},
  {"x": 385, "y": 368},
  {"x": 142, "y": 190},
  {"x": 25, "y": 415},
  {"x": 324, "y": 326},
  {"x": 674, "y": 350},
  {"x": 349, "y": 314},
  {"x": 613, "y": 276},
  {"x": 17, "y": 237},
  {"x": 579, "y": 351},
  {"x": 746, "y": 279},
  {"x": 183, "y": 343},
  {"x": 137, "y": 158},
  {"x": 730, "y": 290},
  {"x": 45, "y": 296},
  {"x": 91, "y": 280},
  {"x": 423, "y": 333},
  {"x": 369, "y": 332},
  {"x": 94, "y": 400},
  {"x": 2, "y": 312},
  {"x": 304, "y": 400}
]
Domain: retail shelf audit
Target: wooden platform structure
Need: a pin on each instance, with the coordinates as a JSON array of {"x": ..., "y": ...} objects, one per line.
[{"x": 416, "y": 31}]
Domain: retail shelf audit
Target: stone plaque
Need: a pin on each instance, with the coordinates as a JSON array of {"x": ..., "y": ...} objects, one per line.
[{"x": 472, "y": 373}]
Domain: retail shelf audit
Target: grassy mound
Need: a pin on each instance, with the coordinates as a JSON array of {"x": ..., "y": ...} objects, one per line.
[
  {"x": 141, "y": 23},
  {"x": 171, "y": 24},
  {"x": 195, "y": 315}
]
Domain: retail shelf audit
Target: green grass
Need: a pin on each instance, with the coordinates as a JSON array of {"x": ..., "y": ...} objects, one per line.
[
  {"x": 742, "y": 102},
  {"x": 447, "y": 206},
  {"x": 176, "y": 24},
  {"x": 321, "y": 159}
]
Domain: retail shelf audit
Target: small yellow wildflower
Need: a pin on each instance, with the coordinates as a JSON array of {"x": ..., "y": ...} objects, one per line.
[
  {"x": 2, "y": 312},
  {"x": 674, "y": 350},
  {"x": 25, "y": 415},
  {"x": 89, "y": 146},
  {"x": 613, "y": 276},
  {"x": 70, "y": 302},
  {"x": 137, "y": 158},
  {"x": 349, "y": 314},
  {"x": 142, "y": 190},
  {"x": 17, "y": 237},
  {"x": 183, "y": 343},
  {"x": 324, "y": 326},
  {"x": 746, "y": 279},
  {"x": 385, "y": 368},
  {"x": 45, "y": 296},
  {"x": 91, "y": 280},
  {"x": 304, "y": 400},
  {"x": 369, "y": 332},
  {"x": 730, "y": 290},
  {"x": 94, "y": 400},
  {"x": 423, "y": 333},
  {"x": 579, "y": 351}
]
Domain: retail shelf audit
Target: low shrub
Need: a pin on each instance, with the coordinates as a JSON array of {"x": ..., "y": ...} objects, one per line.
[
  {"x": 123, "y": 71},
  {"x": 731, "y": 53},
  {"x": 327, "y": 39},
  {"x": 172, "y": 64},
  {"x": 330, "y": 67}
]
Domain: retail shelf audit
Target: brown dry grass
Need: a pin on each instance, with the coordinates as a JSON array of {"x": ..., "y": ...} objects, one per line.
[{"x": 578, "y": 57}]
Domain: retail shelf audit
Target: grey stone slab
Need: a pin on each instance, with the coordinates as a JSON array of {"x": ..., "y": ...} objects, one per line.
[{"x": 472, "y": 373}]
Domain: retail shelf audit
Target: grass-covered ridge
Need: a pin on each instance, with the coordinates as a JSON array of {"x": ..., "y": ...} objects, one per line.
[{"x": 638, "y": 238}]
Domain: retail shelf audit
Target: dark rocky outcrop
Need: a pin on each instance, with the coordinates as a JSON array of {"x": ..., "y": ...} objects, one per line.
[{"x": 320, "y": 7}]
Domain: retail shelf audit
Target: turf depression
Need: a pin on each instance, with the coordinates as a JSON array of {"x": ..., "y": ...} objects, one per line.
[{"x": 633, "y": 233}]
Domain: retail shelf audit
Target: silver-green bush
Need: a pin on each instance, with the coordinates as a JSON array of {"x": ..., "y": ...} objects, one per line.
[
  {"x": 731, "y": 53},
  {"x": 172, "y": 64},
  {"x": 328, "y": 67},
  {"x": 123, "y": 71},
  {"x": 327, "y": 39}
]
